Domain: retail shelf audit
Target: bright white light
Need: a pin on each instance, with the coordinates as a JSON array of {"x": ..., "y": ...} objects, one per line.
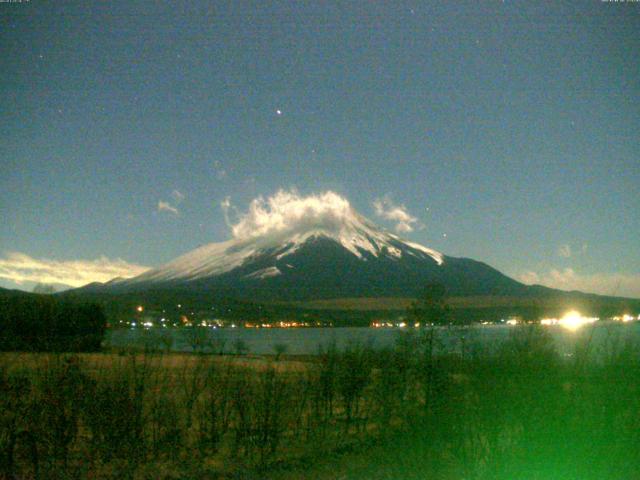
[
  {"x": 512, "y": 321},
  {"x": 279, "y": 112},
  {"x": 573, "y": 320}
]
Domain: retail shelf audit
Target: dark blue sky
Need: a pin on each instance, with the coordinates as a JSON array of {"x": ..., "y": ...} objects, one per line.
[{"x": 511, "y": 127}]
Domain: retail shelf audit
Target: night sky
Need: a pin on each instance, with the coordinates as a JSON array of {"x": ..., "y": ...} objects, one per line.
[{"x": 508, "y": 132}]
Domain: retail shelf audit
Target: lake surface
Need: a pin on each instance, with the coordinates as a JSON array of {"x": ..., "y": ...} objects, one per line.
[{"x": 601, "y": 336}]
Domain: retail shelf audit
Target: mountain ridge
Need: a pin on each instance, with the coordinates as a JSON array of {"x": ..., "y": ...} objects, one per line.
[
  {"x": 320, "y": 266},
  {"x": 296, "y": 249}
]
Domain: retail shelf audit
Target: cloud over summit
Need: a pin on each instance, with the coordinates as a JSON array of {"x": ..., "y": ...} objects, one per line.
[{"x": 287, "y": 213}]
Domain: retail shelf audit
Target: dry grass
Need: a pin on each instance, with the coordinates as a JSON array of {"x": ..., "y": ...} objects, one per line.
[
  {"x": 391, "y": 414},
  {"x": 552, "y": 303},
  {"x": 166, "y": 361}
]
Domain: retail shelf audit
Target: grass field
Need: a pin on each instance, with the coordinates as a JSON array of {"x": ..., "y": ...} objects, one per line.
[
  {"x": 552, "y": 305},
  {"x": 401, "y": 413}
]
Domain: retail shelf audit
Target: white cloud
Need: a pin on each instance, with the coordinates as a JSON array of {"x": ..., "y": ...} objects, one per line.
[
  {"x": 287, "y": 213},
  {"x": 567, "y": 251},
  {"x": 167, "y": 207},
  {"x": 19, "y": 268},
  {"x": 177, "y": 196},
  {"x": 564, "y": 251},
  {"x": 385, "y": 208},
  {"x": 529, "y": 277},
  {"x": 226, "y": 207},
  {"x": 616, "y": 284}
]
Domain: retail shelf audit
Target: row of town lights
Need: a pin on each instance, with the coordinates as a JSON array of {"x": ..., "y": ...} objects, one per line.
[{"x": 571, "y": 320}]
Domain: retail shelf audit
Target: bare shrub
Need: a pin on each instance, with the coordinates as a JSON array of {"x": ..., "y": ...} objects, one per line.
[
  {"x": 216, "y": 407},
  {"x": 114, "y": 411},
  {"x": 61, "y": 393},
  {"x": 352, "y": 376},
  {"x": 280, "y": 349},
  {"x": 16, "y": 422}
]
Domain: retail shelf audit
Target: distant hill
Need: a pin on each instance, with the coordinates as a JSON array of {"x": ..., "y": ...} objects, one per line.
[{"x": 5, "y": 292}]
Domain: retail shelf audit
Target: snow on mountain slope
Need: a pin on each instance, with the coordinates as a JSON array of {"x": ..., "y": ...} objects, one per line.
[{"x": 280, "y": 226}]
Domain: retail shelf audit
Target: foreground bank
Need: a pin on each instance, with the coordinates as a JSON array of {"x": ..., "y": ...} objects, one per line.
[{"x": 520, "y": 411}]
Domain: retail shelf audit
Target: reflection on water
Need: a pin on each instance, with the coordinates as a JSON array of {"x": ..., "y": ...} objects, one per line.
[{"x": 600, "y": 337}]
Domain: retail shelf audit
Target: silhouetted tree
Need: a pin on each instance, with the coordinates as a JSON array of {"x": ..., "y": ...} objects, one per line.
[
  {"x": 44, "y": 288},
  {"x": 280, "y": 349},
  {"x": 240, "y": 347},
  {"x": 45, "y": 323},
  {"x": 431, "y": 307}
]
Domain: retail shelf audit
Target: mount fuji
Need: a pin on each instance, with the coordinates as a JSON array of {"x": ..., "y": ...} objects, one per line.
[{"x": 319, "y": 247}]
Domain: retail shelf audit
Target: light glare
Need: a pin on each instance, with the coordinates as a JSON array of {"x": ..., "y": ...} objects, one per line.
[{"x": 573, "y": 320}]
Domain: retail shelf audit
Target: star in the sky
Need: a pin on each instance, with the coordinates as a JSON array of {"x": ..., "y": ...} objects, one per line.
[{"x": 278, "y": 112}]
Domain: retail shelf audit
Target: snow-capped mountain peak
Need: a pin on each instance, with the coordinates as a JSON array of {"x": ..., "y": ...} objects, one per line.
[
  {"x": 294, "y": 248},
  {"x": 282, "y": 225}
]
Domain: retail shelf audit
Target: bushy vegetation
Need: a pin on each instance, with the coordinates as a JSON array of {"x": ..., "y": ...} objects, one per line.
[
  {"x": 519, "y": 411},
  {"x": 42, "y": 323}
]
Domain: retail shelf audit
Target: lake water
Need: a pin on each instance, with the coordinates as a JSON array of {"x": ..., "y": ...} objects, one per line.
[{"x": 307, "y": 341}]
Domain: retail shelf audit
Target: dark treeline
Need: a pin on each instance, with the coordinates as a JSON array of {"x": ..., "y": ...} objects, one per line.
[{"x": 43, "y": 323}]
